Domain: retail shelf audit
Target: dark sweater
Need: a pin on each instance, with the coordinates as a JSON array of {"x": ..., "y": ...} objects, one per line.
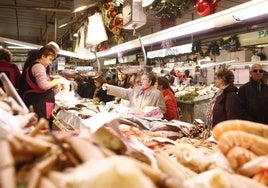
[{"x": 254, "y": 104}]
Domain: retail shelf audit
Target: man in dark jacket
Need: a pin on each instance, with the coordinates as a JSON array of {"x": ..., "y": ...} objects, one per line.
[{"x": 254, "y": 97}]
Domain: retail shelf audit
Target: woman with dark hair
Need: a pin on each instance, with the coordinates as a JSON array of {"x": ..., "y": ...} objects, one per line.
[
  {"x": 37, "y": 88},
  {"x": 142, "y": 95},
  {"x": 225, "y": 104},
  {"x": 99, "y": 92},
  {"x": 121, "y": 80},
  {"x": 84, "y": 86},
  {"x": 33, "y": 55},
  {"x": 162, "y": 84}
]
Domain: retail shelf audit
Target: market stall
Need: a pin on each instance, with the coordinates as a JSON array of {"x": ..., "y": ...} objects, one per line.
[
  {"x": 193, "y": 101},
  {"x": 126, "y": 154},
  {"x": 98, "y": 140}
]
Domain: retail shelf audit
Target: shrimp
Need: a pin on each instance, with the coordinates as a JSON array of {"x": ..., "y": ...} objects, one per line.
[
  {"x": 240, "y": 125},
  {"x": 254, "y": 166},
  {"x": 262, "y": 177},
  {"x": 254, "y": 143},
  {"x": 237, "y": 156}
]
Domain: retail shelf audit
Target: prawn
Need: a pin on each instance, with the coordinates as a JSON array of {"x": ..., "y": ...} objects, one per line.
[
  {"x": 254, "y": 166},
  {"x": 240, "y": 125},
  {"x": 237, "y": 156},
  {"x": 262, "y": 177},
  {"x": 254, "y": 143}
]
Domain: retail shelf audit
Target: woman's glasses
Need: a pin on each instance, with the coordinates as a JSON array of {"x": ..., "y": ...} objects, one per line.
[{"x": 256, "y": 70}]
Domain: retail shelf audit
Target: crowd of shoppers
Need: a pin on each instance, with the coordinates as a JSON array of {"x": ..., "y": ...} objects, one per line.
[
  {"x": 37, "y": 89},
  {"x": 249, "y": 102}
]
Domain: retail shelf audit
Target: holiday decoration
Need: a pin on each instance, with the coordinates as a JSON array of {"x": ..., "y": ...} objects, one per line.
[
  {"x": 206, "y": 7},
  {"x": 213, "y": 48},
  {"x": 113, "y": 19},
  {"x": 231, "y": 44},
  {"x": 169, "y": 10}
]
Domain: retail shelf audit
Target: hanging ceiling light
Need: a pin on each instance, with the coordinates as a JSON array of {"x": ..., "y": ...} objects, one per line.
[
  {"x": 65, "y": 21},
  {"x": 145, "y": 3},
  {"x": 80, "y": 5}
]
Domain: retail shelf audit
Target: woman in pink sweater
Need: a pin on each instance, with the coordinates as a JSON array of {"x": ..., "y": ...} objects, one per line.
[{"x": 37, "y": 90}]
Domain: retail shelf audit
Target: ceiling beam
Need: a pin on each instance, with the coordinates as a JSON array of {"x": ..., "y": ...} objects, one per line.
[{"x": 47, "y": 9}]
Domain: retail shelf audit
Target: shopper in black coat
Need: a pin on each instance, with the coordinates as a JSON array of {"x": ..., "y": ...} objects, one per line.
[
  {"x": 99, "y": 92},
  {"x": 254, "y": 96},
  {"x": 225, "y": 105}
]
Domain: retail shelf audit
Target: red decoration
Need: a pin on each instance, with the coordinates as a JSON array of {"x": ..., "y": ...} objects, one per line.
[{"x": 206, "y": 7}]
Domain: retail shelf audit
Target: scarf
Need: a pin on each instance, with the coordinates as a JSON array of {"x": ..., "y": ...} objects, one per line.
[
  {"x": 144, "y": 89},
  {"x": 209, "y": 121}
]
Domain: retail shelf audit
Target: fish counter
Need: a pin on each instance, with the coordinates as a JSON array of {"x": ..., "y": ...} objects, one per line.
[{"x": 126, "y": 148}]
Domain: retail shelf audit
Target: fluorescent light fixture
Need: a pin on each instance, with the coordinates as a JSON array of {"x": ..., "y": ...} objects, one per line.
[
  {"x": 216, "y": 63},
  {"x": 75, "y": 35},
  {"x": 34, "y": 46},
  {"x": 19, "y": 43},
  {"x": 83, "y": 56},
  {"x": 65, "y": 21},
  {"x": 81, "y": 8},
  {"x": 120, "y": 48},
  {"x": 146, "y": 3},
  {"x": 177, "y": 31},
  {"x": 21, "y": 47},
  {"x": 223, "y": 18},
  {"x": 262, "y": 45},
  {"x": 63, "y": 25},
  {"x": 80, "y": 5},
  {"x": 260, "y": 8}
]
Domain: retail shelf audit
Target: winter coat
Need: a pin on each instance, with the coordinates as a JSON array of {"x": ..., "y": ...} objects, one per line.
[
  {"x": 171, "y": 105},
  {"x": 254, "y": 104},
  {"x": 227, "y": 105}
]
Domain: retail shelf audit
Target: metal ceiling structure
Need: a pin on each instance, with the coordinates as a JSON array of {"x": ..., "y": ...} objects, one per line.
[{"x": 35, "y": 21}]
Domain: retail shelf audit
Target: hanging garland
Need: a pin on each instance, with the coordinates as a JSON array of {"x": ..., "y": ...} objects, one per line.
[
  {"x": 212, "y": 49},
  {"x": 169, "y": 10},
  {"x": 230, "y": 44}
]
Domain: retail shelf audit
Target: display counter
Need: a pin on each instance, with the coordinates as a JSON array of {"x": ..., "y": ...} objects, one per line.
[
  {"x": 191, "y": 110},
  {"x": 128, "y": 151}
]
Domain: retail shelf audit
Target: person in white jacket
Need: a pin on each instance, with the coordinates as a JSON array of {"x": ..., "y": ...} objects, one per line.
[{"x": 140, "y": 96}]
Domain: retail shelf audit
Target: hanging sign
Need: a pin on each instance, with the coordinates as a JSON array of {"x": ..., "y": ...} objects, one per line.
[
  {"x": 110, "y": 61},
  {"x": 127, "y": 59},
  {"x": 187, "y": 48},
  {"x": 253, "y": 38}
]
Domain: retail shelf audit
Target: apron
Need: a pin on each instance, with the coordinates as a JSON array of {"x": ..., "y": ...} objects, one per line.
[{"x": 43, "y": 101}]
